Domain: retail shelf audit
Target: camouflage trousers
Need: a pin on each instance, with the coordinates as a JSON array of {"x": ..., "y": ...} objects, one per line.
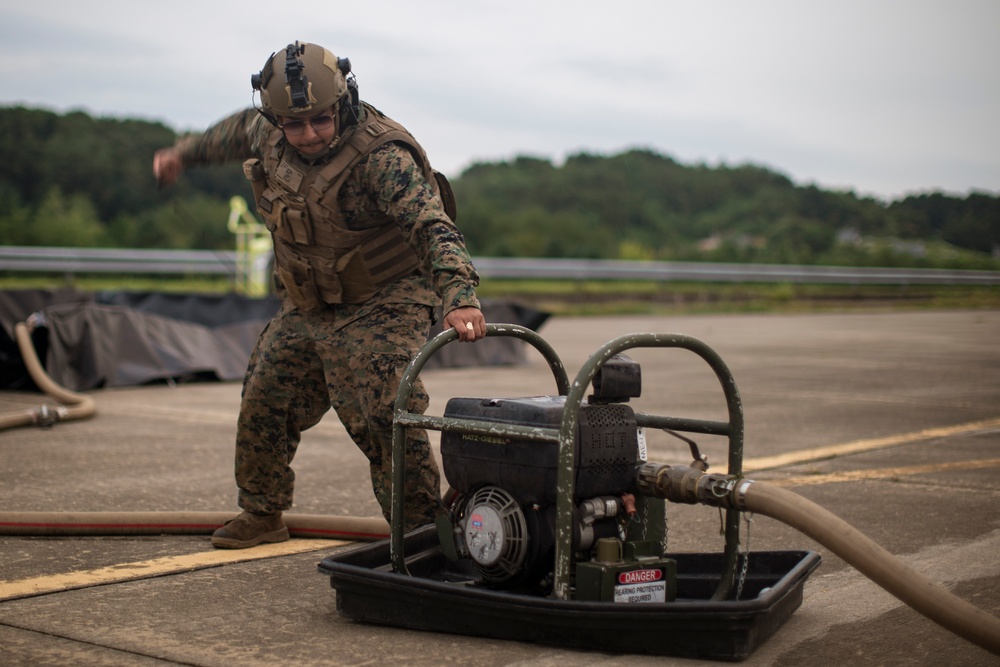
[{"x": 305, "y": 363}]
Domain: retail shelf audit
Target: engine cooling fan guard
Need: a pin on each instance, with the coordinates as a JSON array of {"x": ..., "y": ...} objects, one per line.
[{"x": 495, "y": 533}]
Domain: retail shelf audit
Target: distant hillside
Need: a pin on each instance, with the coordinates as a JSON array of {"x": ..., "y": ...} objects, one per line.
[
  {"x": 641, "y": 204},
  {"x": 74, "y": 180}
]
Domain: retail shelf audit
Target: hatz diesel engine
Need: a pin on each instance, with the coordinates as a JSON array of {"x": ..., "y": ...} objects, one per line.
[{"x": 503, "y": 518}]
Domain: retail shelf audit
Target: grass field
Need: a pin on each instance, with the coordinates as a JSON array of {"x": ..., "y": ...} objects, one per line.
[
  {"x": 604, "y": 298},
  {"x": 574, "y": 297}
]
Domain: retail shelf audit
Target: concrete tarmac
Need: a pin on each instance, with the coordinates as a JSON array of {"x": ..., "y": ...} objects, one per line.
[{"x": 890, "y": 420}]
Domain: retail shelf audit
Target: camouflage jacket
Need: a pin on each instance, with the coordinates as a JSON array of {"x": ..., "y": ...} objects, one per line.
[{"x": 387, "y": 183}]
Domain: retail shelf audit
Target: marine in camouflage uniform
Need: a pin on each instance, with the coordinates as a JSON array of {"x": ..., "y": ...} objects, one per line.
[{"x": 318, "y": 353}]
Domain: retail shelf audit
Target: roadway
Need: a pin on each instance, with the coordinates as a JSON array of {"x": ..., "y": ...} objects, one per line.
[{"x": 889, "y": 420}]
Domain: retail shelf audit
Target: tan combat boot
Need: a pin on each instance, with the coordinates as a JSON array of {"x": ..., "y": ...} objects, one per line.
[{"x": 249, "y": 530}]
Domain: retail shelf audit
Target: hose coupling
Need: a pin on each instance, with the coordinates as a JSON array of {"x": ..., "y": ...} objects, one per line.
[
  {"x": 47, "y": 417},
  {"x": 690, "y": 486}
]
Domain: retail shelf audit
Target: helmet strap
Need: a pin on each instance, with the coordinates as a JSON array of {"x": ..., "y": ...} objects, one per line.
[{"x": 268, "y": 117}]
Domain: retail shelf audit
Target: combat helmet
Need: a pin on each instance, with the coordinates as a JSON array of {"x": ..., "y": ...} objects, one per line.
[{"x": 302, "y": 79}]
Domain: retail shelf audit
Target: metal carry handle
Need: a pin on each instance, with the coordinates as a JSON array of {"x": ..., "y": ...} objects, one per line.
[
  {"x": 402, "y": 418},
  {"x": 567, "y": 431},
  {"x": 565, "y": 436}
]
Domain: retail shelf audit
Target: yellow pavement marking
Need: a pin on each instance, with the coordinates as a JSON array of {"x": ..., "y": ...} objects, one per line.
[
  {"x": 831, "y": 451},
  {"x": 10, "y": 590},
  {"x": 32, "y": 586},
  {"x": 855, "y": 475}
]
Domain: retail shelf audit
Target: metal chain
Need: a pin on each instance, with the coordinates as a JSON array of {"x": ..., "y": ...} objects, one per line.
[
  {"x": 666, "y": 530},
  {"x": 645, "y": 521},
  {"x": 748, "y": 516},
  {"x": 645, "y": 529}
]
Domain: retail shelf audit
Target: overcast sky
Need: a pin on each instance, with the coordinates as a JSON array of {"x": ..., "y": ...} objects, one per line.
[{"x": 883, "y": 97}]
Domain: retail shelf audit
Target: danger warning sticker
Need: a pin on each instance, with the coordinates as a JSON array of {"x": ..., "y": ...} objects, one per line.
[
  {"x": 639, "y": 576},
  {"x": 655, "y": 591}
]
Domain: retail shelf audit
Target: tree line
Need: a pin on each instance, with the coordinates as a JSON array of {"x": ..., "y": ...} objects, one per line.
[{"x": 79, "y": 181}]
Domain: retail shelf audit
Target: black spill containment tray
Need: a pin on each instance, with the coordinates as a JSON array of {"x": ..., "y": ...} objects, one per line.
[{"x": 442, "y": 596}]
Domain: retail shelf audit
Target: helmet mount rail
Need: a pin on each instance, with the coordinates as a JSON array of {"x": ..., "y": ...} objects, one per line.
[{"x": 298, "y": 82}]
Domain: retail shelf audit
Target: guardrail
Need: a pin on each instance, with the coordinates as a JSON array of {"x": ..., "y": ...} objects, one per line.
[
  {"x": 208, "y": 262},
  {"x": 112, "y": 260},
  {"x": 583, "y": 269}
]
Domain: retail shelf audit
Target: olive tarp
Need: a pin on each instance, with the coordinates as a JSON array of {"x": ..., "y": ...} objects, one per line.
[{"x": 115, "y": 339}]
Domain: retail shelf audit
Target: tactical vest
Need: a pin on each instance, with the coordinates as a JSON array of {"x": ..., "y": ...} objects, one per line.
[{"x": 317, "y": 258}]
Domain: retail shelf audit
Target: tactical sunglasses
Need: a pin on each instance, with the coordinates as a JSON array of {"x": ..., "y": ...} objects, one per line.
[{"x": 318, "y": 123}]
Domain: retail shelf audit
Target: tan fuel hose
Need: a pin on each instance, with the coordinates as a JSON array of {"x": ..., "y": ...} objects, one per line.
[
  {"x": 690, "y": 485},
  {"x": 358, "y": 529},
  {"x": 79, "y": 406},
  {"x": 74, "y": 405},
  {"x": 925, "y": 596}
]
